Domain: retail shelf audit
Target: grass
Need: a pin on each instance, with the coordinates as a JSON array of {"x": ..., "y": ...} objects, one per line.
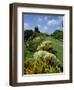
[{"x": 58, "y": 46}]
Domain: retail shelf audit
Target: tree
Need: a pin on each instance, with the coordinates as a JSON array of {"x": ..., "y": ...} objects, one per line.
[
  {"x": 27, "y": 34},
  {"x": 37, "y": 29}
]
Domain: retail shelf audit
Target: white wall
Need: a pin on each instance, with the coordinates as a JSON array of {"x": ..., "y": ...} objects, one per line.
[{"x": 4, "y": 46}]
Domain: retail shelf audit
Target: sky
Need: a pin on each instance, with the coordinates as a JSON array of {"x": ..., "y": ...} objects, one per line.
[{"x": 46, "y": 23}]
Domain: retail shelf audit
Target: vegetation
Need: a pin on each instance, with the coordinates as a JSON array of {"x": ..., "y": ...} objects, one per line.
[
  {"x": 43, "y": 53},
  {"x": 58, "y": 34}
]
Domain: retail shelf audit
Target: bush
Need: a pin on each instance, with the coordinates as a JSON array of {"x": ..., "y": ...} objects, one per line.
[
  {"x": 45, "y": 45},
  {"x": 52, "y": 69},
  {"x": 33, "y": 44},
  {"x": 58, "y": 34},
  {"x": 33, "y": 67},
  {"x": 27, "y": 34},
  {"x": 28, "y": 66},
  {"x": 42, "y": 62},
  {"x": 38, "y": 39},
  {"x": 43, "y": 55}
]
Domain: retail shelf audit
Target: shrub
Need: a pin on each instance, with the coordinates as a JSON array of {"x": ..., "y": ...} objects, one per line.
[
  {"x": 42, "y": 62},
  {"x": 58, "y": 34},
  {"x": 28, "y": 65},
  {"x": 27, "y": 34},
  {"x": 38, "y": 39},
  {"x": 44, "y": 56},
  {"x": 33, "y": 44},
  {"x": 45, "y": 45},
  {"x": 52, "y": 69}
]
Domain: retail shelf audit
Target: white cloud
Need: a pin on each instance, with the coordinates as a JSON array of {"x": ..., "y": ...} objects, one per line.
[
  {"x": 26, "y": 25},
  {"x": 39, "y": 25},
  {"x": 55, "y": 21},
  {"x": 52, "y": 22}
]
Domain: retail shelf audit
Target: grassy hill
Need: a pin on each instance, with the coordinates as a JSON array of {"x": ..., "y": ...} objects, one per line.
[
  {"x": 34, "y": 40},
  {"x": 58, "y": 46}
]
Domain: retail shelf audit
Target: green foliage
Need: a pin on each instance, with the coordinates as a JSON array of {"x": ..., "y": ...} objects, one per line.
[
  {"x": 27, "y": 34},
  {"x": 44, "y": 55},
  {"x": 41, "y": 64},
  {"x": 58, "y": 34},
  {"x": 45, "y": 45}
]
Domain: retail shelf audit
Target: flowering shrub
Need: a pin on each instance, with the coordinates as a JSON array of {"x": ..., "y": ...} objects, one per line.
[
  {"x": 45, "y": 45},
  {"x": 42, "y": 62},
  {"x": 37, "y": 39},
  {"x": 43, "y": 55}
]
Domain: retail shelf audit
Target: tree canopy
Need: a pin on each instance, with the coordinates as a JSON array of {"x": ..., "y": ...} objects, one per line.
[{"x": 58, "y": 34}]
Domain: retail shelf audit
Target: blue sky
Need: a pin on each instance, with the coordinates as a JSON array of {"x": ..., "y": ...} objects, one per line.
[{"x": 46, "y": 23}]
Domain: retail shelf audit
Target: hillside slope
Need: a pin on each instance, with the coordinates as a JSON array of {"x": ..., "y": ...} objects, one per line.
[{"x": 33, "y": 41}]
